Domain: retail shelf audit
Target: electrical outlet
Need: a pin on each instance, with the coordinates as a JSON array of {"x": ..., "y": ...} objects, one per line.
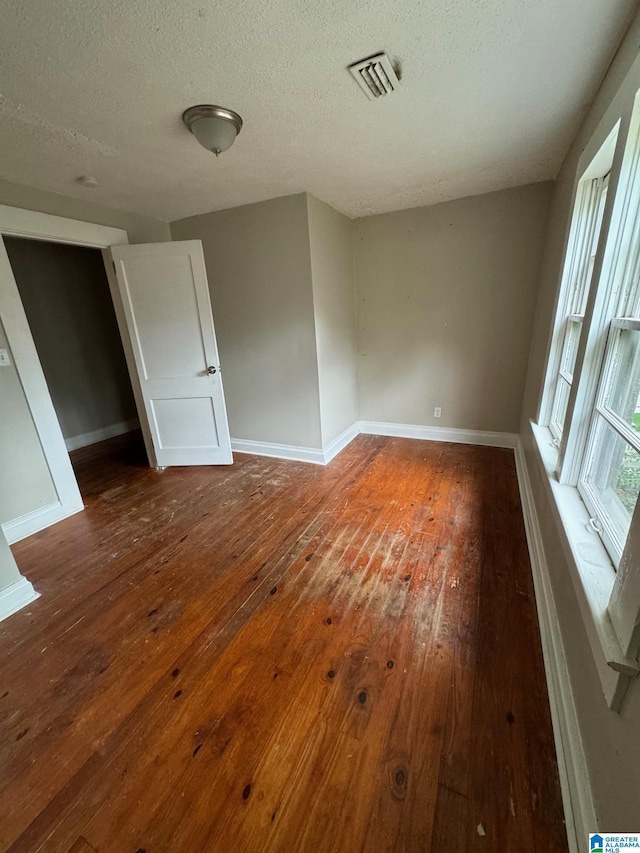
[
  {"x": 437, "y": 412},
  {"x": 5, "y": 361}
]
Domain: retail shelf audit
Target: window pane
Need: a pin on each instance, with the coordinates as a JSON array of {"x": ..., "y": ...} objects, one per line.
[
  {"x": 560, "y": 405},
  {"x": 592, "y": 233},
  {"x": 628, "y": 299},
  {"x": 570, "y": 347},
  {"x": 623, "y": 387},
  {"x": 613, "y": 473}
]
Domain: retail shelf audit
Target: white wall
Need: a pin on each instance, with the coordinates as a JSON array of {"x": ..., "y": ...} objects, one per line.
[
  {"x": 65, "y": 295},
  {"x": 611, "y": 741},
  {"x": 445, "y": 297},
  {"x": 259, "y": 270},
  {"x": 331, "y": 244}
]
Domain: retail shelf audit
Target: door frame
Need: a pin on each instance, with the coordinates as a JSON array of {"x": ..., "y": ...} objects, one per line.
[{"x": 18, "y": 222}]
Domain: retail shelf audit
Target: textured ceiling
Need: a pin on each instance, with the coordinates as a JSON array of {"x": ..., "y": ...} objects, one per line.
[{"x": 492, "y": 93}]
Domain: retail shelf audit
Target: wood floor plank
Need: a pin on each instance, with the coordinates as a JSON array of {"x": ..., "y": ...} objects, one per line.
[{"x": 278, "y": 656}]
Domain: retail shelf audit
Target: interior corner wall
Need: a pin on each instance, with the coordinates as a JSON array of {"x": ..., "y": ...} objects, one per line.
[
  {"x": 9, "y": 573},
  {"x": 259, "y": 270},
  {"x": 331, "y": 246},
  {"x": 610, "y": 740},
  {"x": 25, "y": 481},
  {"x": 445, "y": 297}
]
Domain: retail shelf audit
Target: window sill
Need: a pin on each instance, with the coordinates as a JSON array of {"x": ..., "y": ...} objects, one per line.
[{"x": 592, "y": 573}]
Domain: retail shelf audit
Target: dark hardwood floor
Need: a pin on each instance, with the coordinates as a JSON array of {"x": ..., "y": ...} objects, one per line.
[{"x": 281, "y": 657}]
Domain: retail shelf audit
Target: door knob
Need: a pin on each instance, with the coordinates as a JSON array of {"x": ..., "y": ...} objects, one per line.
[{"x": 212, "y": 370}]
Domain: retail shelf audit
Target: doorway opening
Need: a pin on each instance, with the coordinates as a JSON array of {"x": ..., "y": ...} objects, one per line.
[
  {"x": 160, "y": 295},
  {"x": 66, "y": 298}
]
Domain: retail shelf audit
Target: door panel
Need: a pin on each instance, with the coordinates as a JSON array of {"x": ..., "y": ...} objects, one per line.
[
  {"x": 159, "y": 321},
  {"x": 166, "y": 309},
  {"x": 179, "y": 421}
]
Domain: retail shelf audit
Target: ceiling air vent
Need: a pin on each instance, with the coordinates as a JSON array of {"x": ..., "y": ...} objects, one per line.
[{"x": 375, "y": 76}]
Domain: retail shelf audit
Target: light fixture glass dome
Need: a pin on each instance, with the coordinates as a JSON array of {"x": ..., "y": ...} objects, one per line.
[{"x": 215, "y": 128}]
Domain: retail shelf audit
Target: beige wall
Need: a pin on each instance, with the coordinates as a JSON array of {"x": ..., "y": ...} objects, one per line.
[
  {"x": 65, "y": 295},
  {"x": 141, "y": 229},
  {"x": 445, "y": 297},
  {"x": 259, "y": 271},
  {"x": 25, "y": 482},
  {"x": 331, "y": 244},
  {"x": 611, "y": 741},
  {"x": 9, "y": 573}
]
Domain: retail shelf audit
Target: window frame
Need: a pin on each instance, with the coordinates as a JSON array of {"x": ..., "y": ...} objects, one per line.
[
  {"x": 603, "y": 416},
  {"x": 609, "y": 601},
  {"x": 612, "y": 256},
  {"x": 587, "y": 230}
]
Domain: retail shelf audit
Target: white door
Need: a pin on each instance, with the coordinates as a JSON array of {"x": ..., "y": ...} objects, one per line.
[{"x": 162, "y": 302}]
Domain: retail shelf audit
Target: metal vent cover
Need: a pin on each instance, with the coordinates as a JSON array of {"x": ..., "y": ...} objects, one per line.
[{"x": 375, "y": 76}]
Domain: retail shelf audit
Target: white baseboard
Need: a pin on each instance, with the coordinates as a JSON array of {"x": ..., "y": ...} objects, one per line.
[
  {"x": 110, "y": 431},
  {"x": 278, "y": 451},
  {"x": 32, "y": 522},
  {"x": 340, "y": 442},
  {"x": 298, "y": 454},
  {"x": 432, "y": 433},
  {"x": 580, "y": 816},
  {"x": 324, "y": 456},
  {"x": 16, "y": 596}
]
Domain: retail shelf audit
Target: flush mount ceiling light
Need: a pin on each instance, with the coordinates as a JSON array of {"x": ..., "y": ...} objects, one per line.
[{"x": 215, "y": 128}]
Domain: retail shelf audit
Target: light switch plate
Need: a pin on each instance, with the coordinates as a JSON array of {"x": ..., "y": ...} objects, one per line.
[{"x": 5, "y": 361}]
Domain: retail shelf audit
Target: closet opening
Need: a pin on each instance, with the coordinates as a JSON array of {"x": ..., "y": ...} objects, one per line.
[{"x": 66, "y": 298}]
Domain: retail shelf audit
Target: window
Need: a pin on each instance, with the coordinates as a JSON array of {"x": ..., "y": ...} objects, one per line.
[
  {"x": 608, "y": 458},
  {"x": 590, "y": 409},
  {"x": 586, "y": 225},
  {"x": 588, "y": 433},
  {"x": 610, "y": 477}
]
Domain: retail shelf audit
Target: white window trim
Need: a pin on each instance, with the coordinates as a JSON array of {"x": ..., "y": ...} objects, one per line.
[
  {"x": 602, "y": 415},
  {"x": 595, "y": 582},
  {"x": 623, "y": 196},
  {"x": 600, "y": 165},
  {"x": 576, "y": 236},
  {"x": 609, "y": 601},
  {"x": 624, "y": 609},
  {"x": 563, "y": 376}
]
